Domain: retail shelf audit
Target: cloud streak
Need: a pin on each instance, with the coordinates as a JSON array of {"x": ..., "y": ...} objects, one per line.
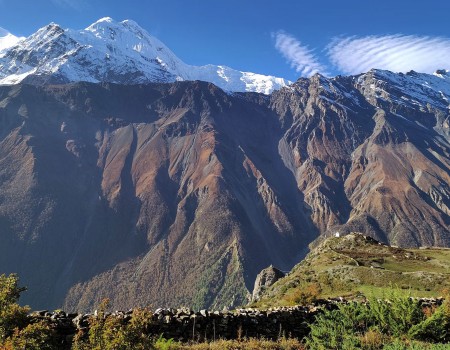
[
  {"x": 397, "y": 53},
  {"x": 300, "y": 57},
  {"x": 354, "y": 55}
]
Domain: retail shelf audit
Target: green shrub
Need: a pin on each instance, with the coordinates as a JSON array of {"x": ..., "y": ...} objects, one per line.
[
  {"x": 136, "y": 333},
  {"x": 15, "y": 330},
  {"x": 396, "y": 314},
  {"x": 336, "y": 329},
  {"x": 12, "y": 315},
  {"x": 380, "y": 323},
  {"x": 112, "y": 333},
  {"x": 435, "y": 328},
  {"x": 37, "y": 336},
  {"x": 166, "y": 344}
]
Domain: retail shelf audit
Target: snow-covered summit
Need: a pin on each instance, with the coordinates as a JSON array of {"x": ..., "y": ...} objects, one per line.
[
  {"x": 416, "y": 90},
  {"x": 118, "y": 52},
  {"x": 7, "y": 39},
  {"x": 442, "y": 73},
  {"x": 3, "y": 32}
]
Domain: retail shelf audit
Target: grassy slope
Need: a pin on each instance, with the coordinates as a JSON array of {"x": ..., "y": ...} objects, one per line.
[{"x": 353, "y": 265}]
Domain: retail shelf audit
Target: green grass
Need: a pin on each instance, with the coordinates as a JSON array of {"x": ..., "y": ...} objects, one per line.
[
  {"x": 351, "y": 265},
  {"x": 241, "y": 344},
  {"x": 438, "y": 260},
  {"x": 380, "y": 292}
]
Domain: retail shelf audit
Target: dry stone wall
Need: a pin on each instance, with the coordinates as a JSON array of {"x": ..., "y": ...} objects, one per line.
[{"x": 184, "y": 324}]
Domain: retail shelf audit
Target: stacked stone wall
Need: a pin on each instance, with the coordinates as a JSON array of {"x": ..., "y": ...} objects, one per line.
[{"x": 186, "y": 325}]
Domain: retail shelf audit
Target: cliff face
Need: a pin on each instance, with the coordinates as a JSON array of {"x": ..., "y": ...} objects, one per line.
[
  {"x": 371, "y": 153},
  {"x": 165, "y": 194},
  {"x": 179, "y": 194},
  {"x": 265, "y": 279}
]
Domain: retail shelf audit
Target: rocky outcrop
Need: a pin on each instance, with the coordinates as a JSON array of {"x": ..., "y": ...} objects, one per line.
[{"x": 265, "y": 279}]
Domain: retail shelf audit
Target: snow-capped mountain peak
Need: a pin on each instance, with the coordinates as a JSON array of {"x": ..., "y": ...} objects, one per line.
[
  {"x": 7, "y": 39},
  {"x": 3, "y": 32},
  {"x": 442, "y": 73},
  {"x": 413, "y": 89},
  {"x": 100, "y": 22},
  {"x": 118, "y": 52}
]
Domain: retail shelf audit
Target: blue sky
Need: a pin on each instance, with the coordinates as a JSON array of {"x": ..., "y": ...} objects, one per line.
[{"x": 282, "y": 38}]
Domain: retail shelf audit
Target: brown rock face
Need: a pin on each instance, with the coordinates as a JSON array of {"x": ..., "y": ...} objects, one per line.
[
  {"x": 369, "y": 154},
  {"x": 265, "y": 279},
  {"x": 164, "y": 194},
  {"x": 179, "y": 194}
]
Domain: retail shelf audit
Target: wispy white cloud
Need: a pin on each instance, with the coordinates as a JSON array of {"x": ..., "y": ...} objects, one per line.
[
  {"x": 397, "y": 53},
  {"x": 300, "y": 57}
]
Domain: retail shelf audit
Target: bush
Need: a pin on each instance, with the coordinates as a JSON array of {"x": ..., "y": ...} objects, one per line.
[
  {"x": 12, "y": 316},
  {"x": 379, "y": 323},
  {"x": 113, "y": 333},
  {"x": 373, "y": 339},
  {"x": 37, "y": 336},
  {"x": 336, "y": 329},
  {"x": 435, "y": 328},
  {"x": 304, "y": 295},
  {"x": 15, "y": 330},
  {"x": 166, "y": 344},
  {"x": 135, "y": 334},
  {"x": 396, "y": 314}
]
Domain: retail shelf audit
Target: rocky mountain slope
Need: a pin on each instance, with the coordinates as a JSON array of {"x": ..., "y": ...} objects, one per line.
[
  {"x": 356, "y": 265},
  {"x": 179, "y": 194},
  {"x": 116, "y": 52},
  {"x": 372, "y": 152}
]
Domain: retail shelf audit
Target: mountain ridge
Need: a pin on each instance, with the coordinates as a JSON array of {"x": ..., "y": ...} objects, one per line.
[
  {"x": 118, "y": 52},
  {"x": 124, "y": 191}
]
